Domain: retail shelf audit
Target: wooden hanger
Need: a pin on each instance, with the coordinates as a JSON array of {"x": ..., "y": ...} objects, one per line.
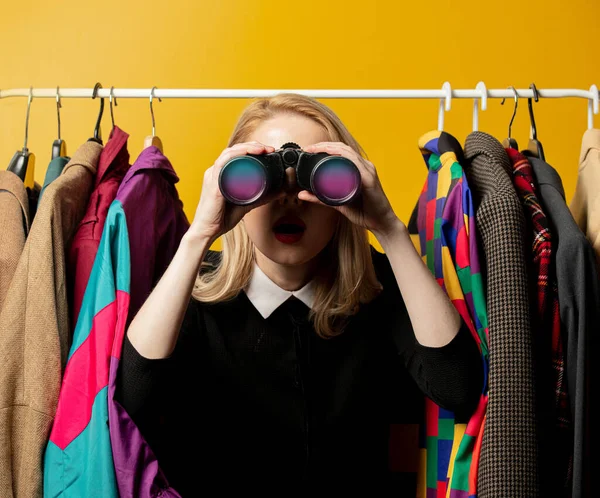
[
  {"x": 153, "y": 140},
  {"x": 511, "y": 143},
  {"x": 22, "y": 163}
]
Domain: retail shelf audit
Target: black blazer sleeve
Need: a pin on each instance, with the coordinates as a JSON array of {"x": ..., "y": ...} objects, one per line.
[{"x": 451, "y": 375}]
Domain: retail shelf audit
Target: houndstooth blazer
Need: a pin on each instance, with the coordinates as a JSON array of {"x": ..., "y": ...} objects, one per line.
[{"x": 509, "y": 449}]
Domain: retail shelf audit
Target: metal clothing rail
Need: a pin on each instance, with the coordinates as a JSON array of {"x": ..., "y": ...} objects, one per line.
[
  {"x": 192, "y": 93},
  {"x": 445, "y": 94}
]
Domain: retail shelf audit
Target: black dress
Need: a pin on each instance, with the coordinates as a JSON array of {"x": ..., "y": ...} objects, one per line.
[{"x": 252, "y": 404}]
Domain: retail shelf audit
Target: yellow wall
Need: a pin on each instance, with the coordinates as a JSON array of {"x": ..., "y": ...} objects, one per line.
[{"x": 290, "y": 45}]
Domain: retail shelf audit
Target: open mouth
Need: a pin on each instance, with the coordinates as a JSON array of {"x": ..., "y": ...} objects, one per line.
[{"x": 289, "y": 228}]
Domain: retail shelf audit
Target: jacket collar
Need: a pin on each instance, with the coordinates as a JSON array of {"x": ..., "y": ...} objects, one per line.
[
  {"x": 151, "y": 158},
  {"x": 479, "y": 143},
  {"x": 117, "y": 144},
  {"x": 546, "y": 174},
  {"x": 12, "y": 184},
  {"x": 443, "y": 146},
  {"x": 87, "y": 155},
  {"x": 267, "y": 296},
  {"x": 591, "y": 140}
]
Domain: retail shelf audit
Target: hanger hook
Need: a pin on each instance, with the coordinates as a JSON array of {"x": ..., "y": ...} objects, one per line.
[
  {"x": 483, "y": 99},
  {"x": 58, "y": 106},
  {"x": 152, "y": 109},
  {"x": 536, "y": 97},
  {"x": 445, "y": 104},
  {"x": 27, "y": 117},
  {"x": 112, "y": 97},
  {"x": 97, "y": 86},
  {"x": 514, "y": 110},
  {"x": 593, "y": 105}
]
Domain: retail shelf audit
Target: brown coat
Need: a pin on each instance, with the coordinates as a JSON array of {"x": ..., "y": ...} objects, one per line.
[
  {"x": 14, "y": 225},
  {"x": 34, "y": 328},
  {"x": 585, "y": 205},
  {"x": 509, "y": 448}
]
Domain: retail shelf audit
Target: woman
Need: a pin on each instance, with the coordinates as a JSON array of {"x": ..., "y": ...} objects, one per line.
[{"x": 279, "y": 364}]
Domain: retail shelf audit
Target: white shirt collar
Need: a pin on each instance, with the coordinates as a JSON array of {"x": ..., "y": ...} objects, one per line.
[{"x": 267, "y": 296}]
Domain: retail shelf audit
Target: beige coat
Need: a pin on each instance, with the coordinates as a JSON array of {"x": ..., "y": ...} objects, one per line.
[
  {"x": 14, "y": 225},
  {"x": 34, "y": 328},
  {"x": 585, "y": 205}
]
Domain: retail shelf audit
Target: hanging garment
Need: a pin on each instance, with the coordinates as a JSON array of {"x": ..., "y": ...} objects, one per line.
[
  {"x": 33, "y": 196},
  {"x": 14, "y": 226},
  {"x": 142, "y": 231},
  {"x": 579, "y": 304},
  {"x": 509, "y": 448},
  {"x": 448, "y": 242},
  {"x": 113, "y": 164},
  {"x": 551, "y": 385},
  {"x": 55, "y": 169},
  {"x": 585, "y": 204},
  {"x": 35, "y": 327}
]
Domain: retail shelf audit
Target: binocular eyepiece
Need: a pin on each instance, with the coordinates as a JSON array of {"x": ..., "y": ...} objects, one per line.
[{"x": 333, "y": 179}]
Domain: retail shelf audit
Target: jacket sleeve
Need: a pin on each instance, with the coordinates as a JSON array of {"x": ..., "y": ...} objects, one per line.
[{"x": 450, "y": 375}]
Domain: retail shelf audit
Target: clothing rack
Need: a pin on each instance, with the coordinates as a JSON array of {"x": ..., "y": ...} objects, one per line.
[{"x": 445, "y": 94}]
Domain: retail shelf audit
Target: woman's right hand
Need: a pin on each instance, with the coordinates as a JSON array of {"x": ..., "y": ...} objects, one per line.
[{"x": 215, "y": 216}]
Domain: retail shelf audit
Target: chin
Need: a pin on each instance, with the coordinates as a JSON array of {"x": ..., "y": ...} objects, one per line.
[{"x": 289, "y": 254}]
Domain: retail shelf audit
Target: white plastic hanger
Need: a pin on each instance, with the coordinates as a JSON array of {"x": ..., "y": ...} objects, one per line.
[
  {"x": 483, "y": 99},
  {"x": 592, "y": 106},
  {"x": 445, "y": 104}
]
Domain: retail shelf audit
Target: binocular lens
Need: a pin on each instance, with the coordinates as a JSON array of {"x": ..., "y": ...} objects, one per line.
[
  {"x": 244, "y": 179},
  {"x": 336, "y": 179}
]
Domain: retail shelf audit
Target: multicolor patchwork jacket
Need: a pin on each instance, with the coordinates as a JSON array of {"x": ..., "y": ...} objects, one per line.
[{"x": 448, "y": 244}]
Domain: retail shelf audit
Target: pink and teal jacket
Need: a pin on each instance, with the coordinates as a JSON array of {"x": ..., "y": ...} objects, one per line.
[{"x": 95, "y": 449}]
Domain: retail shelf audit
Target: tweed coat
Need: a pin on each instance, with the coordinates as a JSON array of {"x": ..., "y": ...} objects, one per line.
[
  {"x": 34, "y": 328},
  {"x": 14, "y": 225},
  {"x": 509, "y": 449}
]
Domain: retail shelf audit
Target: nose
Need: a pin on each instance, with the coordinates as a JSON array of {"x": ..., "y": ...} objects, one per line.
[{"x": 291, "y": 188}]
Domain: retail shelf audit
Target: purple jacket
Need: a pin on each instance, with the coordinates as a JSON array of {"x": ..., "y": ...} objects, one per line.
[
  {"x": 155, "y": 223},
  {"x": 96, "y": 448}
]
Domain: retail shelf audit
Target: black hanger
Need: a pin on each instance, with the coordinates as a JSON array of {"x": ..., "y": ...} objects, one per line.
[
  {"x": 534, "y": 147},
  {"x": 97, "y": 130},
  {"x": 511, "y": 143},
  {"x": 22, "y": 163},
  {"x": 59, "y": 147}
]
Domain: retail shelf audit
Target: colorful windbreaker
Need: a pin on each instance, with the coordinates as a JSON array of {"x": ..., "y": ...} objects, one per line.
[
  {"x": 448, "y": 243},
  {"x": 95, "y": 449}
]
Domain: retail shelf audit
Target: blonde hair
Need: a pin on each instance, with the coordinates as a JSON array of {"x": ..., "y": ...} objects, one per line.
[{"x": 348, "y": 277}]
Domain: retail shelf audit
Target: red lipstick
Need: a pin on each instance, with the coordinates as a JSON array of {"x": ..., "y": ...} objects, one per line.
[{"x": 289, "y": 229}]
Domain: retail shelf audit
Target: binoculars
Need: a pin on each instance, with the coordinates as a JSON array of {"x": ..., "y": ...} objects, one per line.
[{"x": 333, "y": 179}]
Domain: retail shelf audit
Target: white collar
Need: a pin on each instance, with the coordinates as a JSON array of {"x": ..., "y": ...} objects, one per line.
[{"x": 267, "y": 296}]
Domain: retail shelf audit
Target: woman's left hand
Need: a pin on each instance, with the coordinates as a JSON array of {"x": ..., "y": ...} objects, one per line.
[{"x": 371, "y": 209}]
